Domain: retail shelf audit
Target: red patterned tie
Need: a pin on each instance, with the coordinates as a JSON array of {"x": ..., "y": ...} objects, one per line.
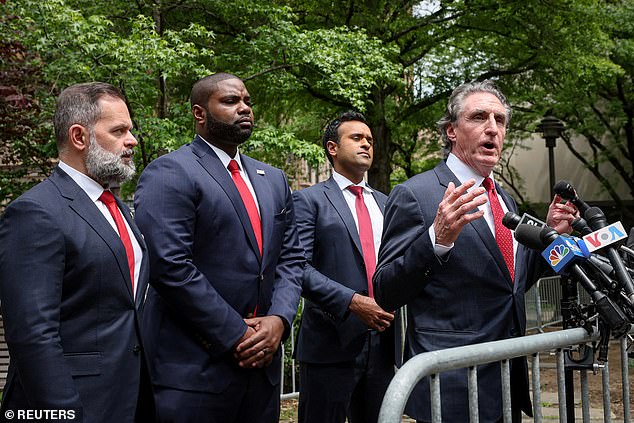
[
  {"x": 108, "y": 199},
  {"x": 247, "y": 199},
  {"x": 503, "y": 235},
  {"x": 365, "y": 235}
]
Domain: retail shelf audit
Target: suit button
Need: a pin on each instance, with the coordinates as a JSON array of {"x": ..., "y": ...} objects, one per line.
[{"x": 136, "y": 349}]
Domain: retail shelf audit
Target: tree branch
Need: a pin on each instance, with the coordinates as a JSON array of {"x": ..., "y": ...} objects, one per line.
[{"x": 265, "y": 71}]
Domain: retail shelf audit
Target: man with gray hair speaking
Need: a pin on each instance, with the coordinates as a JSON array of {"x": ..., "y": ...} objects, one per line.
[{"x": 446, "y": 254}]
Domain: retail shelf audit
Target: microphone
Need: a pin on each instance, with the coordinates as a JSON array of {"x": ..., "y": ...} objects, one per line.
[
  {"x": 603, "y": 236},
  {"x": 597, "y": 221},
  {"x": 512, "y": 220},
  {"x": 529, "y": 236},
  {"x": 566, "y": 191},
  {"x": 580, "y": 225},
  {"x": 563, "y": 253}
]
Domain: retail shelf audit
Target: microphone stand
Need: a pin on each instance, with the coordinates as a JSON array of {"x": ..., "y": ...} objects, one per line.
[{"x": 570, "y": 314}]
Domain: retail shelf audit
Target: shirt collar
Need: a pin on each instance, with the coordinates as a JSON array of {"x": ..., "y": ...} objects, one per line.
[
  {"x": 344, "y": 182},
  {"x": 223, "y": 156},
  {"x": 463, "y": 172},
  {"x": 92, "y": 188}
]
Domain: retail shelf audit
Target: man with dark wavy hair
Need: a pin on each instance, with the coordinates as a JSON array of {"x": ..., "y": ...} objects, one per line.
[{"x": 346, "y": 346}]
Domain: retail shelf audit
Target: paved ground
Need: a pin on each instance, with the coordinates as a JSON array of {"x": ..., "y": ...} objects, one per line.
[{"x": 550, "y": 410}]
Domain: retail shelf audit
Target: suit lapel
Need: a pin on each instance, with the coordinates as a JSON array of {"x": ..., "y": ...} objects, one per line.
[
  {"x": 214, "y": 167},
  {"x": 335, "y": 196},
  {"x": 81, "y": 204},
  {"x": 380, "y": 201},
  {"x": 445, "y": 175}
]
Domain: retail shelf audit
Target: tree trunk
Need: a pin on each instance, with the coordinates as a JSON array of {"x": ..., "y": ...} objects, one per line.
[{"x": 379, "y": 173}]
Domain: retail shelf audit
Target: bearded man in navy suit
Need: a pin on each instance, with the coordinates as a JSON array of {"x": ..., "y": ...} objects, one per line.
[
  {"x": 226, "y": 267},
  {"x": 73, "y": 275},
  {"x": 446, "y": 255},
  {"x": 346, "y": 347}
]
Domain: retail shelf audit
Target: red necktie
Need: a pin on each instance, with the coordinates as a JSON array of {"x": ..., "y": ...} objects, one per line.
[
  {"x": 503, "y": 235},
  {"x": 365, "y": 235},
  {"x": 108, "y": 199},
  {"x": 247, "y": 199}
]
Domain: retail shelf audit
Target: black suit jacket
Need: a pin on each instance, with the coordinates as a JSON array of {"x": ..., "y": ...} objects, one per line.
[
  {"x": 72, "y": 325},
  {"x": 466, "y": 299},
  {"x": 329, "y": 333}
]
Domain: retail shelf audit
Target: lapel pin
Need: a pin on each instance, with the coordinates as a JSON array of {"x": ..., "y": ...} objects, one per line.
[{"x": 259, "y": 171}]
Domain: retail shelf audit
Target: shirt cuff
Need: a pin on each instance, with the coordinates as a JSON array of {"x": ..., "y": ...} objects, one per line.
[{"x": 441, "y": 251}]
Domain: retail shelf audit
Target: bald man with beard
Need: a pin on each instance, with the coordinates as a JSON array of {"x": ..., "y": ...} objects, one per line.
[{"x": 226, "y": 267}]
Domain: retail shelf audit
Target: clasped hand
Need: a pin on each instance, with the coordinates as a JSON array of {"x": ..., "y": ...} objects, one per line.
[{"x": 260, "y": 342}]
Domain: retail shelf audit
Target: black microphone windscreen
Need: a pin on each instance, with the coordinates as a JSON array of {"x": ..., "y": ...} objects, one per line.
[
  {"x": 529, "y": 235},
  {"x": 580, "y": 225},
  {"x": 565, "y": 190},
  {"x": 595, "y": 218},
  {"x": 548, "y": 235},
  {"x": 511, "y": 220}
]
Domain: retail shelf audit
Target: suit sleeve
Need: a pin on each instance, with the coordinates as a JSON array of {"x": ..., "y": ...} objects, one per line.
[
  {"x": 330, "y": 295},
  {"x": 32, "y": 265},
  {"x": 166, "y": 201},
  {"x": 287, "y": 287},
  {"x": 406, "y": 256}
]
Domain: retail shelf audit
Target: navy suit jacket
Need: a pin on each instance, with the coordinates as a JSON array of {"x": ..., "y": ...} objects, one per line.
[
  {"x": 329, "y": 333},
  {"x": 207, "y": 274},
  {"x": 72, "y": 325},
  {"x": 466, "y": 299}
]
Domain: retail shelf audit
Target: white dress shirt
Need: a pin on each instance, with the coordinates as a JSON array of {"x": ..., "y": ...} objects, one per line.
[
  {"x": 225, "y": 159},
  {"x": 376, "y": 217}
]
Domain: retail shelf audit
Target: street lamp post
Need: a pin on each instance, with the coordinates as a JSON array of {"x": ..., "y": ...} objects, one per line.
[{"x": 551, "y": 129}]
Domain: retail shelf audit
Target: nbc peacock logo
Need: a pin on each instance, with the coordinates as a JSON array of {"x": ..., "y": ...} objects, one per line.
[{"x": 557, "y": 254}]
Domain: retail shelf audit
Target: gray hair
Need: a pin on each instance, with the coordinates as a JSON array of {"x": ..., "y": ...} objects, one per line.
[
  {"x": 455, "y": 106},
  {"x": 79, "y": 104}
]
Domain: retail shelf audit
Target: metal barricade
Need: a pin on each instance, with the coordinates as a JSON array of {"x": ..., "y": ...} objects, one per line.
[
  {"x": 542, "y": 311},
  {"x": 470, "y": 356},
  {"x": 543, "y": 304}
]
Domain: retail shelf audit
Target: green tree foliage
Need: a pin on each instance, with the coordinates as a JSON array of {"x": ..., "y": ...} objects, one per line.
[
  {"x": 24, "y": 119},
  {"x": 73, "y": 47},
  {"x": 396, "y": 61}
]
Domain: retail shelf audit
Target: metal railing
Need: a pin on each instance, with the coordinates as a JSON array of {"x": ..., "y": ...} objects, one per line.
[
  {"x": 470, "y": 356},
  {"x": 542, "y": 311},
  {"x": 543, "y": 304}
]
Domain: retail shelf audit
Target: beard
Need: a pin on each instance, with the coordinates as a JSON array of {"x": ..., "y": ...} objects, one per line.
[
  {"x": 229, "y": 133},
  {"x": 104, "y": 166}
]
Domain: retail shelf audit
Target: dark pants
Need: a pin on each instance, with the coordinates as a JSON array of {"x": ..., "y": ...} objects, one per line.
[
  {"x": 330, "y": 393},
  {"x": 145, "y": 408},
  {"x": 248, "y": 399}
]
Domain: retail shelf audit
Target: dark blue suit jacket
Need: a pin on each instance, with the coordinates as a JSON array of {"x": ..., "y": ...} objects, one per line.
[
  {"x": 329, "y": 333},
  {"x": 72, "y": 325},
  {"x": 467, "y": 299},
  {"x": 206, "y": 271}
]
